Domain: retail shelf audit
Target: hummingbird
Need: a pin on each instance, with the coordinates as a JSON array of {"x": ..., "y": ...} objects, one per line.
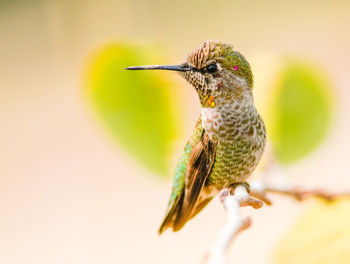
[{"x": 229, "y": 136}]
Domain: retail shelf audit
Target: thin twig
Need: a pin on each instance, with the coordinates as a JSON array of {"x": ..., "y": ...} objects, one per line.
[{"x": 300, "y": 194}]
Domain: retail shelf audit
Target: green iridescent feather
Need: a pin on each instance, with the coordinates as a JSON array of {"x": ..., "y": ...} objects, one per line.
[{"x": 180, "y": 171}]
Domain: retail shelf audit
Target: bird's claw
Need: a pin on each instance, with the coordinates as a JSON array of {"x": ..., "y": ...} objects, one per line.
[{"x": 243, "y": 196}]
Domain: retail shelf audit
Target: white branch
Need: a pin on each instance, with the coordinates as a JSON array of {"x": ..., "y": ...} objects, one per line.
[{"x": 235, "y": 223}]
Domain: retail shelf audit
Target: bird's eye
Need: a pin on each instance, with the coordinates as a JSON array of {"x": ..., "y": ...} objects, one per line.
[{"x": 212, "y": 68}]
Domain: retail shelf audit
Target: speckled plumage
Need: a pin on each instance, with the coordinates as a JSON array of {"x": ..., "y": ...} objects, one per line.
[{"x": 232, "y": 122}]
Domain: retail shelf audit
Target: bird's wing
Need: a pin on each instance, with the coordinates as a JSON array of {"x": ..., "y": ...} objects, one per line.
[{"x": 191, "y": 173}]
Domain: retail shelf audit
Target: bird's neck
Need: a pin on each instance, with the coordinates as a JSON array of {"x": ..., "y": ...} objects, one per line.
[{"x": 229, "y": 111}]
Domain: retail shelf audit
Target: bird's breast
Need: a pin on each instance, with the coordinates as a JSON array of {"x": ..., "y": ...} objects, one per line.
[{"x": 240, "y": 136}]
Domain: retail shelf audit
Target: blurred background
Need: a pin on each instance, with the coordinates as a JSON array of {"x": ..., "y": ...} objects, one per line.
[{"x": 87, "y": 150}]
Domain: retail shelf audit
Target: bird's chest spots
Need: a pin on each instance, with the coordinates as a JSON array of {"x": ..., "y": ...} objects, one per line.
[
  {"x": 212, "y": 122},
  {"x": 234, "y": 161},
  {"x": 222, "y": 122},
  {"x": 240, "y": 138}
]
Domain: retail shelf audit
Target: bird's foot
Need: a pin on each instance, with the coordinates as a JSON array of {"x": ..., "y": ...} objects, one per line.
[
  {"x": 241, "y": 193},
  {"x": 233, "y": 186}
]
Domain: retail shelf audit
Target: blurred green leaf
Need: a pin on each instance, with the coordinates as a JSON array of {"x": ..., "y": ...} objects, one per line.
[
  {"x": 301, "y": 111},
  {"x": 134, "y": 105}
]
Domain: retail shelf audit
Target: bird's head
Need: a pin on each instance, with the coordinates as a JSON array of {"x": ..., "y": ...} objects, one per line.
[{"x": 216, "y": 71}]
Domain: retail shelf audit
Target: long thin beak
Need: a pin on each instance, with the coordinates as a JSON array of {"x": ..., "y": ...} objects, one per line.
[{"x": 160, "y": 67}]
